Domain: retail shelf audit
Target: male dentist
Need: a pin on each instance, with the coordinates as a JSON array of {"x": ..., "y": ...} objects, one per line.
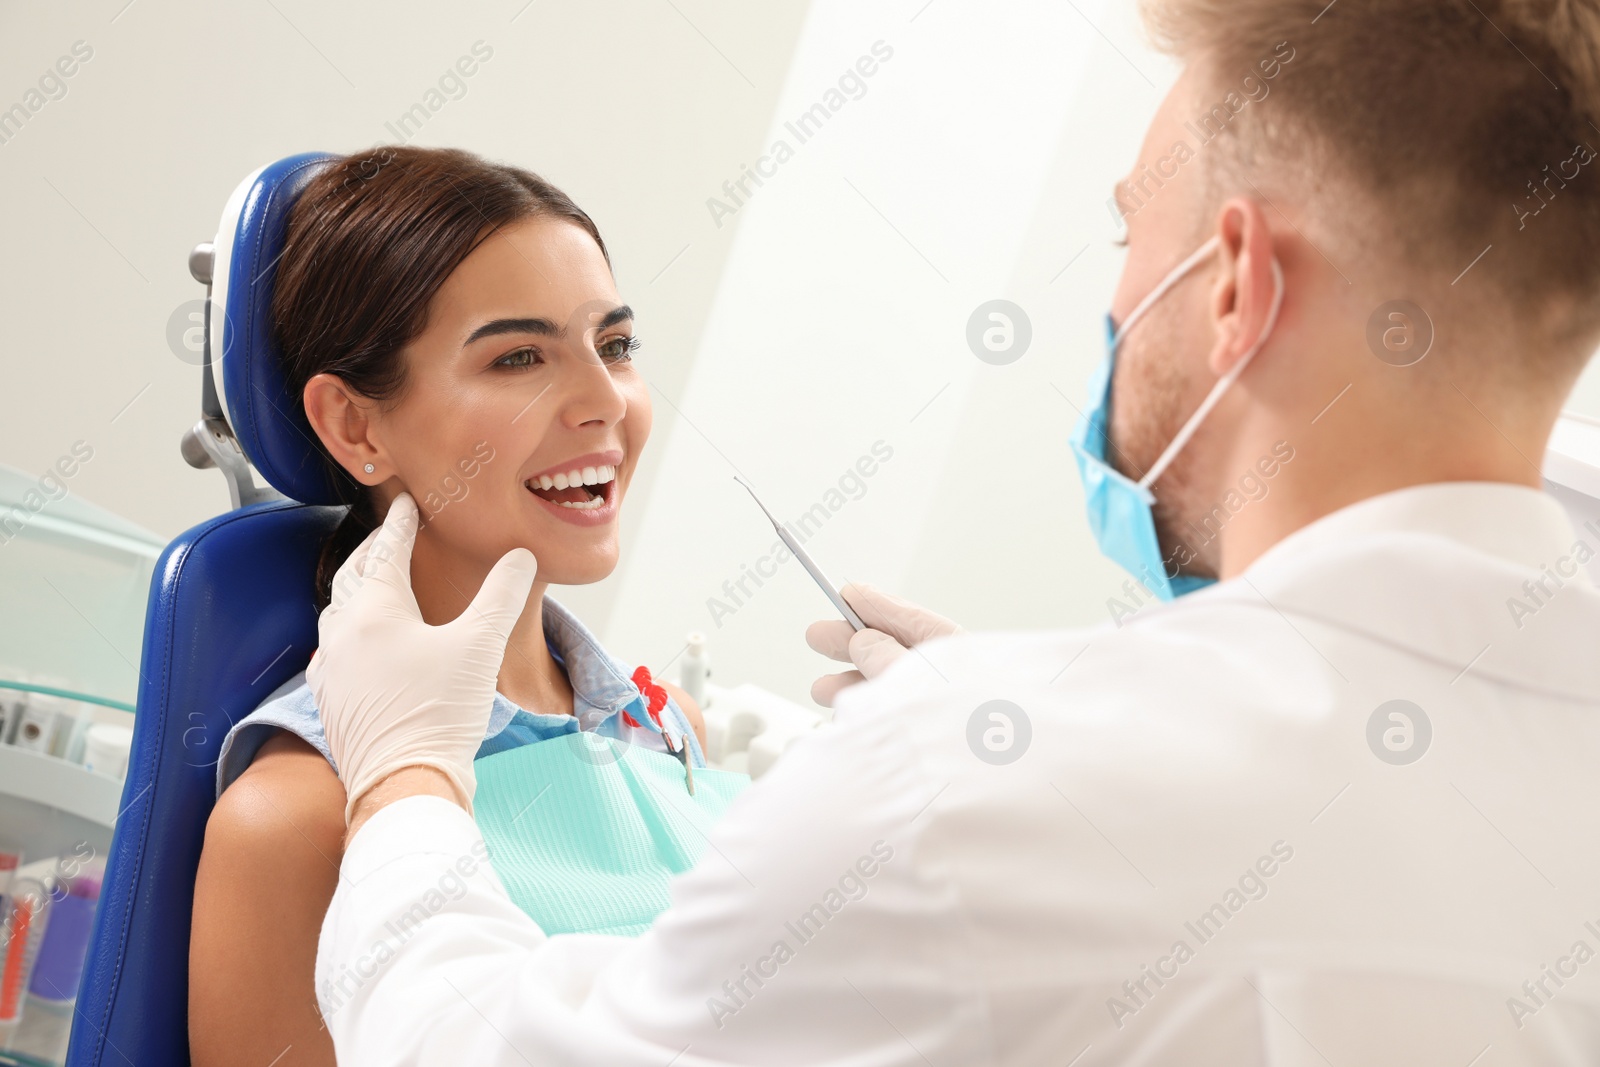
[{"x": 1340, "y": 807}]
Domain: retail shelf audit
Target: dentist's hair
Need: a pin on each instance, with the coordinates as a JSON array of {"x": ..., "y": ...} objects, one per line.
[
  {"x": 1463, "y": 124},
  {"x": 371, "y": 240}
]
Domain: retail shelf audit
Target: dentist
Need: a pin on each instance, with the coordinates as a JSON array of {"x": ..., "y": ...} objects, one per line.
[{"x": 1325, "y": 794}]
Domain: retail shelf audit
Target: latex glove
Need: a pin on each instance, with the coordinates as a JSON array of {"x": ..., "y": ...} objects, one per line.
[
  {"x": 396, "y": 692},
  {"x": 894, "y": 627}
]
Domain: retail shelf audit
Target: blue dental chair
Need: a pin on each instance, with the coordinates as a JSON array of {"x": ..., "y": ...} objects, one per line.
[{"x": 231, "y": 617}]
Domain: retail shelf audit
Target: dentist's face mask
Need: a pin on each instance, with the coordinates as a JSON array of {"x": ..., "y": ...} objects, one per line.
[{"x": 1120, "y": 510}]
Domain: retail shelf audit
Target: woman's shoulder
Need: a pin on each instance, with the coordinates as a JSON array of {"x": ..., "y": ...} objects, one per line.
[
  {"x": 287, "y": 793},
  {"x": 291, "y": 709}
]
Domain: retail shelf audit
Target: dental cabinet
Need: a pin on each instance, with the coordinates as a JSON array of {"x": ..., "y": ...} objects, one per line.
[{"x": 74, "y": 580}]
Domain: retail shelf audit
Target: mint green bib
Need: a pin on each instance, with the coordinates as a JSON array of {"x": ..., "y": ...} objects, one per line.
[{"x": 587, "y": 831}]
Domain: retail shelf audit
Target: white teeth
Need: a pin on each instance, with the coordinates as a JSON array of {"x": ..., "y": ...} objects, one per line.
[
  {"x": 583, "y": 505},
  {"x": 571, "y": 479}
]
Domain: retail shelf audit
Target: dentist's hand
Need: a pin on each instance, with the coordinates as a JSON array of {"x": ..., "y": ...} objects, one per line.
[
  {"x": 394, "y": 692},
  {"x": 894, "y": 626}
]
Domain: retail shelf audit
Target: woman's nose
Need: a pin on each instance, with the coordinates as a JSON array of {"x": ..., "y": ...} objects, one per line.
[{"x": 594, "y": 398}]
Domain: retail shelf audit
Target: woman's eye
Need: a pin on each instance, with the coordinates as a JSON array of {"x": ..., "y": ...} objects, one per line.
[
  {"x": 618, "y": 349},
  {"x": 522, "y": 357}
]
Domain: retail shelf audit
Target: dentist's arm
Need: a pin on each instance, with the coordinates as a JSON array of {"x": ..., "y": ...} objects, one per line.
[{"x": 894, "y": 627}]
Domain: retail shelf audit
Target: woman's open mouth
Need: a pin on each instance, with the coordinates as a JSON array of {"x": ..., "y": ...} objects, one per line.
[{"x": 584, "y": 495}]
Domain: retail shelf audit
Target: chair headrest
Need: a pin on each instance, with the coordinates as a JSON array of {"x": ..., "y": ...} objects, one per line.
[{"x": 266, "y": 419}]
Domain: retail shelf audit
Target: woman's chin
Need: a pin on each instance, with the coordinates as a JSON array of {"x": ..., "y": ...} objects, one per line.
[{"x": 565, "y": 568}]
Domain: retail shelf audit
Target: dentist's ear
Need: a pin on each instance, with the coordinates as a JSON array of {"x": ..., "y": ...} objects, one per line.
[{"x": 1246, "y": 286}]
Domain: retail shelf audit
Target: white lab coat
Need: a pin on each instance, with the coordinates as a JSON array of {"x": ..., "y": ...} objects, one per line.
[{"x": 1198, "y": 860}]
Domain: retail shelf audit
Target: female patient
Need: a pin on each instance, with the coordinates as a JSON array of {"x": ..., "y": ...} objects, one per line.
[{"x": 452, "y": 329}]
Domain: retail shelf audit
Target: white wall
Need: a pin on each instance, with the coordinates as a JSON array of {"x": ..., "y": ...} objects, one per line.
[
  {"x": 976, "y": 167},
  {"x": 1586, "y": 397}
]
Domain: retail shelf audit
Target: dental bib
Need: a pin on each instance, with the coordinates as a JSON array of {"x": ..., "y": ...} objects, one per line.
[{"x": 586, "y": 832}]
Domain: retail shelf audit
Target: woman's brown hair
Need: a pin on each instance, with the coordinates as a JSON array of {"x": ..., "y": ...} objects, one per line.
[{"x": 371, "y": 239}]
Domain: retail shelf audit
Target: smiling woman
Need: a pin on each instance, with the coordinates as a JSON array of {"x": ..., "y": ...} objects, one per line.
[
  {"x": 402, "y": 315},
  {"x": 453, "y": 331}
]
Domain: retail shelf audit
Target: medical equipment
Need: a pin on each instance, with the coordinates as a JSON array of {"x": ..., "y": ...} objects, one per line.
[
  {"x": 75, "y": 732},
  {"x": 806, "y": 561},
  {"x": 52, "y": 991},
  {"x": 10, "y": 860},
  {"x": 106, "y": 749},
  {"x": 37, "y": 727},
  {"x": 12, "y": 701},
  {"x": 27, "y": 911},
  {"x": 682, "y": 755},
  {"x": 748, "y": 728},
  {"x": 695, "y": 669}
]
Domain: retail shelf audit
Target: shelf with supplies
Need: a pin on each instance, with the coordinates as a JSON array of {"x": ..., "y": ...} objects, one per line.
[
  {"x": 81, "y": 730},
  {"x": 75, "y": 581}
]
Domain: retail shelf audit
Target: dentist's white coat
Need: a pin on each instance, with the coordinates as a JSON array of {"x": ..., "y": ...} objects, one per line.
[{"x": 1198, "y": 859}]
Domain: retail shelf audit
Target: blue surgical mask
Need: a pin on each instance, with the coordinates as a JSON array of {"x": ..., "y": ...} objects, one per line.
[{"x": 1121, "y": 511}]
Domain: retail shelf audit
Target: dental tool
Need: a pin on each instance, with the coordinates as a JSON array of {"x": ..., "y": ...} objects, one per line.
[{"x": 806, "y": 561}]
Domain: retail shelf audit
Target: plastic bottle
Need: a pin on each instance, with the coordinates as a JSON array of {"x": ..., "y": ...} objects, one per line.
[
  {"x": 36, "y": 728},
  {"x": 12, "y": 701},
  {"x": 695, "y": 668},
  {"x": 10, "y": 859},
  {"x": 106, "y": 748},
  {"x": 77, "y": 737},
  {"x": 53, "y": 989},
  {"x": 24, "y": 923}
]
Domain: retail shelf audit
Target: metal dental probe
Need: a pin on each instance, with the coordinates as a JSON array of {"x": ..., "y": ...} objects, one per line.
[{"x": 806, "y": 561}]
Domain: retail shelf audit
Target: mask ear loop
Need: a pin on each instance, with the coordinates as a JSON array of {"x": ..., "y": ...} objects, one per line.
[
  {"x": 1177, "y": 275},
  {"x": 1223, "y": 385}
]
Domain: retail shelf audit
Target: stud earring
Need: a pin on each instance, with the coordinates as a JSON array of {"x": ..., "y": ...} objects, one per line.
[{"x": 369, "y": 468}]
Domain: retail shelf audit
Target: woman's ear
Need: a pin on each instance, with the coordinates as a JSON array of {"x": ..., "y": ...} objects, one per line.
[
  {"x": 1242, "y": 298},
  {"x": 342, "y": 419}
]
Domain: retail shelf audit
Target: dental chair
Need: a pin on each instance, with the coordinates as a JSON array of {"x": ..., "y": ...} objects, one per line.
[{"x": 230, "y": 618}]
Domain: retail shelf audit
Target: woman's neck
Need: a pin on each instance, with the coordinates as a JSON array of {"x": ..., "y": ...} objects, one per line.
[{"x": 529, "y": 676}]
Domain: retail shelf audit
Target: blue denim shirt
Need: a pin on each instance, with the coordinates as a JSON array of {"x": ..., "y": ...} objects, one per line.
[{"x": 602, "y": 689}]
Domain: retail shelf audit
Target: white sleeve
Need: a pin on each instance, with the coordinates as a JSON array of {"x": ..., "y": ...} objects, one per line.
[
  {"x": 799, "y": 938},
  {"x": 422, "y": 949}
]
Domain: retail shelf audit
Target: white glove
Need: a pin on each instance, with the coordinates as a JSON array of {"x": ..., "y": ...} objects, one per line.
[
  {"x": 894, "y": 626},
  {"x": 395, "y": 692}
]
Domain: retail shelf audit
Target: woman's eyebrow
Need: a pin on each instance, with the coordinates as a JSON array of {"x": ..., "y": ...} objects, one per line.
[{"x": 544, "y": 327}]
